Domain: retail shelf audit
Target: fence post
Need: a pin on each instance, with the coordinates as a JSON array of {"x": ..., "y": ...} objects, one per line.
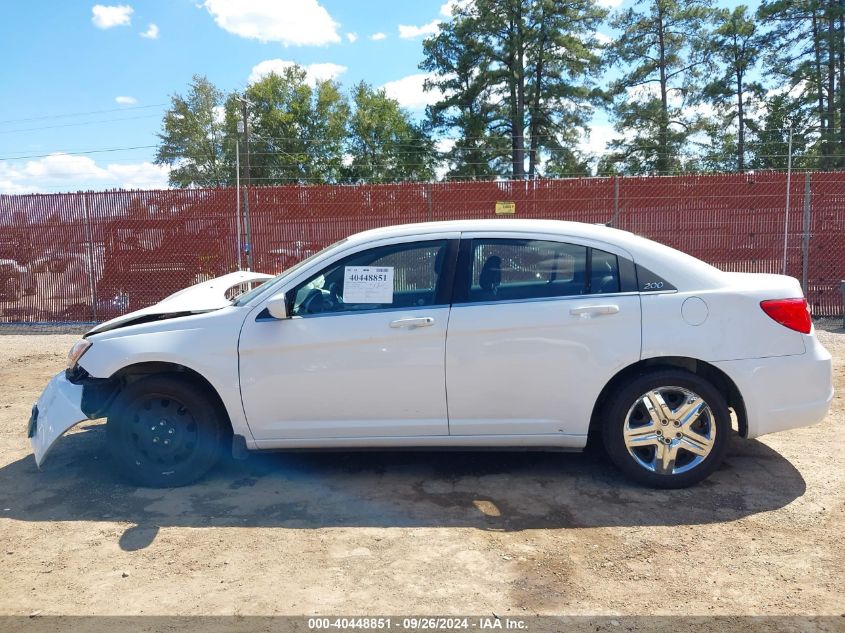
[
  {"x": 248, "y": 245},
  {"x": 805, "y": 245},
  {"x": 428, "y": 196},
  {"x": 615, "y": 216},
  {"x": 842, "y": 288},
  {"x": 89, "y": 248},
  {"x": 786, "y": 215}
]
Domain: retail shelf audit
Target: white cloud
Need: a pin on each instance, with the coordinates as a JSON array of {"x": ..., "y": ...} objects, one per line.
[
  {"x": 125, "y": 100},
  {"x": 106, "y": 17},
  {"x": 602, "y": 38},
  {"x": 316, "y": 72},
  {"x": 444, "y": 145},
  {"x": 600, "y": 135},
  {"x": 291, "y": 22},
  {"x": 407, "y": 32},
  {"x": 609, "y": 4},
  {"x": 219, "y": 114},
  {"x": 71, "y": 172},
  {"x": 447, "y": 7},
  {"x": 151, "y": 33},
  {"x": 408, "y": 91},
  {"x": 378, "y": 36},
  {"x": 138, "y": 175},
  {"x": 352, "y": 37}
]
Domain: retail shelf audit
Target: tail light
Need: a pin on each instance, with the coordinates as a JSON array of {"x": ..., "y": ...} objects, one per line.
[{"x": 791, "y": 313}]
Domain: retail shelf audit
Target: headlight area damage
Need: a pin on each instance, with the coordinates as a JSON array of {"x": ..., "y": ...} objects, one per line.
[
  {"x": 203, "y": 297},
  {"x": 74, "y": 396}
]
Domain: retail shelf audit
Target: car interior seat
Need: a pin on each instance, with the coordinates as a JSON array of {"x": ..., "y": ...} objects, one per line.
[{"x": 490, "y": 276}]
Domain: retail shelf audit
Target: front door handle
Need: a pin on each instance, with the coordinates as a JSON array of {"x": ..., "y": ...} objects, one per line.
[
  {"x": 589, "y": 312},
  {"x": 414, "y": 322}
]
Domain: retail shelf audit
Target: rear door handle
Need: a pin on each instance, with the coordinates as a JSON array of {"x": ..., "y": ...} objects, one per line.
[
  {"x": 414, "y": 322},
  {"x": 588, "y": 312}
]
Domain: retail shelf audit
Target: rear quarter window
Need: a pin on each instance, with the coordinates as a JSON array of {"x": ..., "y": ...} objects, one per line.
[{"x": 650, "y": 282}]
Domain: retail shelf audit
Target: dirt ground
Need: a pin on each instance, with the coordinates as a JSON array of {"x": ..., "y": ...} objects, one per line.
[{"x": 421, "y": 533}]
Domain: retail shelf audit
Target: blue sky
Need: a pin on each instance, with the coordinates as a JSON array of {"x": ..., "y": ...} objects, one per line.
[{"x": 84, "y": 77}]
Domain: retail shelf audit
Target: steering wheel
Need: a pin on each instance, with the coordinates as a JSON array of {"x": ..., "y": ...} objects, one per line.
[{"x": 319, "y": 300}]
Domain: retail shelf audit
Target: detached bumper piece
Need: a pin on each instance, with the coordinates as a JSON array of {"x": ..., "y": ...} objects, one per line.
[{"x": 58, "y": 409}]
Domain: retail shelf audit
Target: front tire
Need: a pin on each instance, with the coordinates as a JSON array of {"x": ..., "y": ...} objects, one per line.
[
  {"x": 668, "y": 428},
  {"x": 164, "y": 431}
]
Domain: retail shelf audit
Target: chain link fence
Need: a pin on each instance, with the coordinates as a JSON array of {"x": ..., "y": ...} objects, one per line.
[{"x": 90, "y": 256}]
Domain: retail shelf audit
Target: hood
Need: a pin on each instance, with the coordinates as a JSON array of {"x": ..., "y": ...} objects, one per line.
[{"x": 202, "y": 297}]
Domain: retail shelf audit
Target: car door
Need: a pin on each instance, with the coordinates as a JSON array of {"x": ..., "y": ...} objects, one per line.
[
  {"x": 362, "y": 355},
  {"x": 538, "y": 326}
]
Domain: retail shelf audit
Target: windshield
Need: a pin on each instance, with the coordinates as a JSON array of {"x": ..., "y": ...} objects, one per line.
[{"x": 271, "y": 283}]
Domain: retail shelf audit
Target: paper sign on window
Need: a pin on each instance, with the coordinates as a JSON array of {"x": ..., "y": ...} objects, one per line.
[{"x": 368, "y": 284}]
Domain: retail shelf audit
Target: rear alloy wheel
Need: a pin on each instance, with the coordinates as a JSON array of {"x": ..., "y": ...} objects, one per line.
[
  {"x": 164, "y": 432},
  {"x": 667, "y": 429}
]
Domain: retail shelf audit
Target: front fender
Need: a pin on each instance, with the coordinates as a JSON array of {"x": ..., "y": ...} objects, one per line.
[
  {"x": 58, "y": 409},
  {"x": 206, "y": 344}
]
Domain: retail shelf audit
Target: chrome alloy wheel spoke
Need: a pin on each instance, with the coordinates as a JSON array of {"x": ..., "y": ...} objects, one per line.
[
  {"x": 656, "y": 407},
  {"x": 664, "y": 458},
  {"x": 669, "y": 430},
  {"x": 695, "y": 443},
  {"x": 688, "y": 413},
  {"x": 641, "y": 435}
]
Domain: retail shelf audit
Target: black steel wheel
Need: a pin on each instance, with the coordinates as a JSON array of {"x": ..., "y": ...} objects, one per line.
[{"x": 164, "y": 431}]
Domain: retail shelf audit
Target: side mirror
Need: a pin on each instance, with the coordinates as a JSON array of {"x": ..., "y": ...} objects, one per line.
[{"x": 277, "y": 306}]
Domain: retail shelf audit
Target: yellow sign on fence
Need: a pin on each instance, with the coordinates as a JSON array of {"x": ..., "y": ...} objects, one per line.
[{"x": 505, "y": 208}]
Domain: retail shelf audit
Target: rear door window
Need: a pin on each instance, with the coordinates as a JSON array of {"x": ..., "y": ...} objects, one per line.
[{"x": 519, "y": 269}]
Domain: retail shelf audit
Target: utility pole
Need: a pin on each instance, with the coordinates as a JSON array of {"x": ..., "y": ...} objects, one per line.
[{"x": 247, "y": 226}]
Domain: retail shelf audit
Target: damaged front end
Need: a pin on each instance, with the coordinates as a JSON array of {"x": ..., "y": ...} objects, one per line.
[
  {"x": 71, "y": 397},
  {"x": 74, "y": 396},
  {"x": 58, "y": 409},
  {"x": 202, "y": 297}
]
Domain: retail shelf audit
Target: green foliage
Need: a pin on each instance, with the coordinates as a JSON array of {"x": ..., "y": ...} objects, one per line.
[
  {"x": 383, "y": 144},
  {"x": 736, "y": 49},
  {"x": 297, "y": 131},
  {"x": 518, "y": 78},
  {"x": 806, "y": 43},
  {"x": 697, "y": 89},
  {"x": 662, "y": 50},
  {"x": 468, "y": 104},
  {"x": 783, "y": 113},
  {"x": 193, "y": 138}
]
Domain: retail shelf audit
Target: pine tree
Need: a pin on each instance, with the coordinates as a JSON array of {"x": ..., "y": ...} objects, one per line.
[
  {"x": 736, "y": 49},
  {"x": 661, "y": 52},
  {"x": 521, "y": 70}
]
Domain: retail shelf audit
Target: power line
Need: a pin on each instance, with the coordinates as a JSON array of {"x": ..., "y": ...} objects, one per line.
[
  {"x": 80, "y": 153},
  {"x": 74, "y": 114},
  {"x": 64, "y": 125}
]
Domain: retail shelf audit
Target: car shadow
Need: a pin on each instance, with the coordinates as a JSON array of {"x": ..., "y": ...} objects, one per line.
[{"x": 502, "y": 491}]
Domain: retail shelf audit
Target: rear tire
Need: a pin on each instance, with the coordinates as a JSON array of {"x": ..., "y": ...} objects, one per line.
[
  {"x": 164, "y": 431},
  {"x": 668, "y": 428}
]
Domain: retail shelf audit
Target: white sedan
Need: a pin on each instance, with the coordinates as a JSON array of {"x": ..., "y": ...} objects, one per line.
[{"x": 503, "y": 333}]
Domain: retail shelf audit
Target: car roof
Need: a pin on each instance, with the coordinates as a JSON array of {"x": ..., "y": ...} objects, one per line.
[{"x": 575, "y": 229}]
